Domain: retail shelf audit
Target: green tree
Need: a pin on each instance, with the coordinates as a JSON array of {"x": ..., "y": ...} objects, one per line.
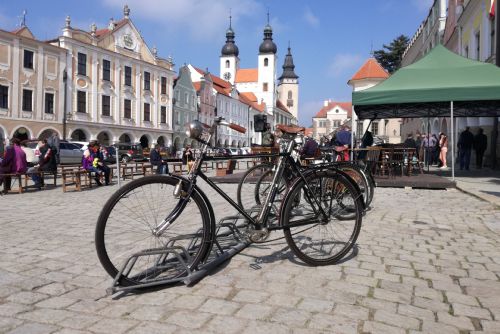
[{"x": 390, "y": 56}]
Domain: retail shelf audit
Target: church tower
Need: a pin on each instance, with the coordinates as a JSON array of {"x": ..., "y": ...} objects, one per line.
[
  {"x": 267, "y": 69},
  {"x": 229, "y": 61},
  {"x": 288, "y": 86}
]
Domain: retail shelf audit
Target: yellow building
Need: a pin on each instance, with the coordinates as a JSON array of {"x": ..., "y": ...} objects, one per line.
[{"x": 31, "y": 85}]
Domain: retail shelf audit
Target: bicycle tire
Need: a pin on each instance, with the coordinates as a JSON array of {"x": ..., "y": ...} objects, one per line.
[
  {"x": 247, "y": 186},
  {"x": 302, "y": 223},
  {"x": 358, "y": 175},
  {"x": 125, "y": 224}
]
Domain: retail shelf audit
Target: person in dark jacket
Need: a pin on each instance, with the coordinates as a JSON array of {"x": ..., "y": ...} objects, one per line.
[
  {"x": 465, "y": 143},
  {"x": 156, "y": 160},
  {"x": 480, "y": 146},
  {"x": 46, "y": 163}
]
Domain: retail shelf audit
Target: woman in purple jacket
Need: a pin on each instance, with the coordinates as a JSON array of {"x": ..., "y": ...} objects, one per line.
[{"x": 14, "y": 162}]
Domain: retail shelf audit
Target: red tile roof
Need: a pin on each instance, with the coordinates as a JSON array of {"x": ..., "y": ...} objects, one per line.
[
  {"x": 104, "y": 32},
  {"x": 282, "y": 106},
  {"x": 309, "y": 132},
  {"x": 250, "y": 99},
  {"x": 371, "y": 69},
  {"x": 216, "y": 80},
  {"x": 197, "y": 86},
  {"x": 247, "y": 75},
  {"x": 344, "y": 105}
]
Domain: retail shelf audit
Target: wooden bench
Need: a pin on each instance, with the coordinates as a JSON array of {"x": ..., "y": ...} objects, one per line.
[{"x": 21, "y": 187}]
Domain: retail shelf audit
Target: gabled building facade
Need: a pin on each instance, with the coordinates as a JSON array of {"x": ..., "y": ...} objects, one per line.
[
  {"x": 371, "y": 73},
  {"x": 119, "y": 90},
  {"x": 330, "y": 118},
  {"x": 185, "y": 107}
]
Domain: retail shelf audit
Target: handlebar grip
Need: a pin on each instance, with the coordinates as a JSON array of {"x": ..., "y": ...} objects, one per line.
[{"x": 238, "y": 128}]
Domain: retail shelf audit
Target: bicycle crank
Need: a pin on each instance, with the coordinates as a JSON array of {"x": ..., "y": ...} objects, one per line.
[{"x": 259, "y": 236}]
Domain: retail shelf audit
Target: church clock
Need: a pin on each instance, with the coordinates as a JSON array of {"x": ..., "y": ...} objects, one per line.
[{"x": 227, "y": 76}]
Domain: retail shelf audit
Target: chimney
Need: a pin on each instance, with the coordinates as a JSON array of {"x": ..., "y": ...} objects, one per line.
[{"x": 325, "y": 104}]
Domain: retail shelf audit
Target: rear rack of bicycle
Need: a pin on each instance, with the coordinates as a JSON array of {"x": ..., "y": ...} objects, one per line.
[{"x": 230, "y": 239}]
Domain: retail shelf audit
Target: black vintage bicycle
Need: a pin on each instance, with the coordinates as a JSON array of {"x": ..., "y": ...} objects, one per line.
[{"x": 159, "y": 228}]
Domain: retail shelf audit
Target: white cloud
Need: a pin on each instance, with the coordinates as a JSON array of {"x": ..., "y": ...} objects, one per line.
[
  {"x": 423, "y": 5},
  {"x": 343, "y": 63},
  {"x": 199, "y": 19},
  {"x": 310, "y": 18}
]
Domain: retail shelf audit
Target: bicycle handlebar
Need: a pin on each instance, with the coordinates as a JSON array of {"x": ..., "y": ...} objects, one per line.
[{"x": 237, "y": 127}]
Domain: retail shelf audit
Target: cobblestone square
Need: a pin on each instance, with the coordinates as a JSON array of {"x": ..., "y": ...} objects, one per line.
[{"x": 426, "y": 261}]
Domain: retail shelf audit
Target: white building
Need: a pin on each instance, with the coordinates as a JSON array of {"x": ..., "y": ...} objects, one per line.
[
  {"x": 371, "y": 73},
  {"x": 262, "y": 81},
  {"x": 330, "y": 118},
  {"x": 118, "y": 89}
]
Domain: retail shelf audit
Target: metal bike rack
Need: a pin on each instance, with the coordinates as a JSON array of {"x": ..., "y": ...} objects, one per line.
[{"x": 229, "y": 240}]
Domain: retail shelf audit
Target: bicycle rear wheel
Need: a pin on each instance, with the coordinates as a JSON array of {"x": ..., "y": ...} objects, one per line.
[
  {"x": 125, "y": 227},
  {"x": 315, "y": 238},
  {"x": 248, "y": 192}
]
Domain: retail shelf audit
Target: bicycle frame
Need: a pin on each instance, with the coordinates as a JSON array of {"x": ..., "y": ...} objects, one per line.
[{"x": 285, "y": 159}]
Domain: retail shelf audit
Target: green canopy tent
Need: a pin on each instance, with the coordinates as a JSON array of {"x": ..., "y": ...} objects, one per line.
[{"x": 442, "y": 84}]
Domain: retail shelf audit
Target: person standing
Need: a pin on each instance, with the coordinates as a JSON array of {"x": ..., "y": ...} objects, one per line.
[
  {"x": 156, "y": 160},
  {"x": 429, "y": 144},
  {"x": 267, "y": 136},
  {"x": 443, "y": 144},
  {"x": 343, "y": 142},
  {"x": 54, "y": 143},
  {"x": 480, "y": 146},
  {"x": 465, "y": 142}
]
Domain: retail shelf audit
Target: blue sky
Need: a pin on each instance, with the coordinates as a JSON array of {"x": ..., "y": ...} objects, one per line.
[{"x": 330, "y": 39}]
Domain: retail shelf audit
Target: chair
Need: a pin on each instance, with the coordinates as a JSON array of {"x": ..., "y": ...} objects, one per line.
[
  {"x": 396, "y": 162},
  {"x": 372, "y": 160},
  {"x": 385, "y": 163}
]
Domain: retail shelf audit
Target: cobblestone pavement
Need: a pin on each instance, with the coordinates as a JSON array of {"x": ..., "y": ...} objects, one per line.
[{"x": 426, "y": 261}]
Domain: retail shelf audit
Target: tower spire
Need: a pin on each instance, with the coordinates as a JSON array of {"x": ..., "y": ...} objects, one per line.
[{"x": 230, "y": 19}]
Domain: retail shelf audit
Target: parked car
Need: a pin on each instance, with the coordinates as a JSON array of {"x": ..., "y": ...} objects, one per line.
[
  {"x": 234, "y": 151},
  {"x": 69, "y": 153},
  {"x": 129, "y": 152}
]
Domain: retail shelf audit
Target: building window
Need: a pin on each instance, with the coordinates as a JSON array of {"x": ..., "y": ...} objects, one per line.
[
  {"x": 266, "y": 62},
  {"x": 163, "y": 114},
  {"x": 128, "y": 76},
  {"x": 227, "y": 63},
  {"x": 147, "y": 81},
  {"x": 186, "y": 98},
  {"x": 478, "y": 45},
  {"x": 4, "y": 97},
  {"x": 106, "y": 70},
  {"x": 82, "y": 63},
  {"x": 127, "y": 109},
  {"x": 81, "y": 102},
  {"x": 375, "y": 128},
  {"x": 264, "y": 87},
  {"x": 492, "y": 37},
  {"x": 49, "y": 103},
  {"x": 27, "y": 100},
  {"x": 106, "y": 105},
  {"x": 147, "y": 113},
  {"x": 163, "y": 85},
  {"x": 28, "y": 59}
]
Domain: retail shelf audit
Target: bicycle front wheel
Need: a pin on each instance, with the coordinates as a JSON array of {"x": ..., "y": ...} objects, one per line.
[
  {"x": 316, "y": 228},
  {"x": 125, "y": 229}
]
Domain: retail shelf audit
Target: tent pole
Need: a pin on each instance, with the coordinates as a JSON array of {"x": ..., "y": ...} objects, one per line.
[
  {"x": 427, "y": 149},
  {"x": 452, "y": 144},
  {"x": 354, "y": 119}
]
